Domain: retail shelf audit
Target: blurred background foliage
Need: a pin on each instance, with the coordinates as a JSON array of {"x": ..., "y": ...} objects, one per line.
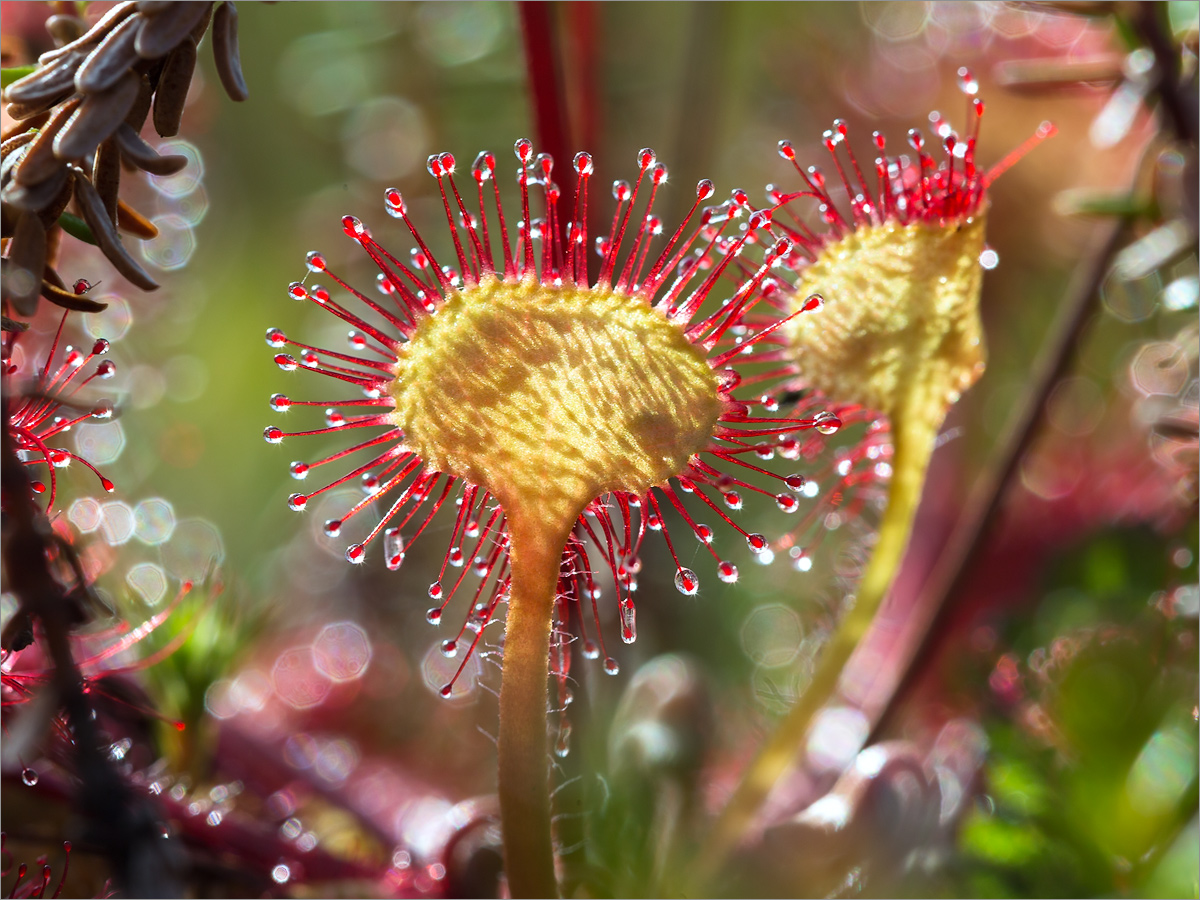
[{"x": 1072, "y": 652}]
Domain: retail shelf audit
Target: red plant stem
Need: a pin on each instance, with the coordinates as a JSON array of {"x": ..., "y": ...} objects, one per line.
[
  {"x": 544, "y": 65},
  {"x": 968, "y": 539},
  {"x": 582, "y": 71}
]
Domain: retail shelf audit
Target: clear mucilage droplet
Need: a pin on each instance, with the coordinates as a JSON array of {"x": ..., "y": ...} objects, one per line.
[{"x": 687, "y": 582}]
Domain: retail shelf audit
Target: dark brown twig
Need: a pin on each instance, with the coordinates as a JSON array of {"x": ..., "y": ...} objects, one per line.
[
  {"x": 124, "y": 826},
  {"x": 1178, "y": 103}
]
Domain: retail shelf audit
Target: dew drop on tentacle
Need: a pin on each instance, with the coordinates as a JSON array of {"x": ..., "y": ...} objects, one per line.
[
  {"x": 435, "y": 591},
  {"x": 449, "y": 648},
  {"x": 590, "y": 649},
  {"x": 393, "y": 548},
  {"x": 727, "y": 572},
  {"x": 297, "y": 502},
  {"x": 756, "y": 542},
  {"x": 356, "y": 553},
  {"x": 332, "y": 527},
  {"x": 628, "y": 621},
  {"x": 967, "y": 83},
  {"x": 276, "y": 338},
  {"x": 315, "y": 261},
  {"x": 787, "y": 503},
  {"x": 523, "y": 149},
  {"x": 562, "y": 744},
  {"x": 484, "y": 167},
  {"x": 814, "y": 303},
  {"x": 272, "y": 435},
  {"x": 611, "y": 666},
  {"x": 686, "y": 582},
  {"x": 827, "y": 423},
  {"x": 29, "y": 777},
  {"x": 393, "y": 202},
  {"x": 299, "y": 470},
  {"x": 433, "y": 615},
  {"x": 704, "y": 533}
]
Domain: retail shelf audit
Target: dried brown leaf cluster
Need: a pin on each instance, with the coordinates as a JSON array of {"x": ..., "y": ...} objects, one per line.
[{"x": 79, "y": 118}]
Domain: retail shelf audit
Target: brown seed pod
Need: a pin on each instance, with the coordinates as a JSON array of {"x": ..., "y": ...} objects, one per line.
[
  {"x": 165, "y": 29},
  {"x": 145, "y": 157},
  {"x": 49, "y": 82},
  {"x": 33, "y": 197},
  {"x": 32, "y": 115},
  {"x": 96, "y": 119},
  {"x": 130, "y": 221},
  {"x": 141, "y": 106},
  {"x": 173, "y": 86},
  {"x": 69, "y": 299},
  {"x": 91, "y": 207},
  {"x": 8, "y": 149},
  {"x": 114, "y": 56},
  {"x": 225, "y": 52},
  {"x": 202, "y": 26},
  {"x": 25, "y": 261},
  {"x": 106, "y": 174},
  {"x": 39, "y": 162},
  {"x": 49, "y": 214},
  {"x": 94, "y": 35},
  {"x": 65, "y": 29}
]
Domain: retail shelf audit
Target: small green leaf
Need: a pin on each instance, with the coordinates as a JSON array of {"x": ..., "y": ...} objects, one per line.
[
  {"x": 8, "y": 76},
  {"x": 76, "y": 228}
]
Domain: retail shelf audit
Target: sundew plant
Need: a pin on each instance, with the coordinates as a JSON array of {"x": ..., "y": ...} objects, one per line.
[{"x": 804, "y": 506}]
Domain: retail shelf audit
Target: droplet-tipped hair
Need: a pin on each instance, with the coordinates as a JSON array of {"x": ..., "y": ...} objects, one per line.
[
  {"x": 44, "y": 408},
  {"x": 900, "y": 194},
  {"x": 679, "y": 280}
]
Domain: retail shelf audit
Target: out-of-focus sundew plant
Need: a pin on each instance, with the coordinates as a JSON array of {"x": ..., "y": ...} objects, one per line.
[{"x": 918, "y": 627}]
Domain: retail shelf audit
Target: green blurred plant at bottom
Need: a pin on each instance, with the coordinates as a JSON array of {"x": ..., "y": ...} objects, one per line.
[
  {"x": 214, "y": 632},
  {"x": 1101, "y": 801}
]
